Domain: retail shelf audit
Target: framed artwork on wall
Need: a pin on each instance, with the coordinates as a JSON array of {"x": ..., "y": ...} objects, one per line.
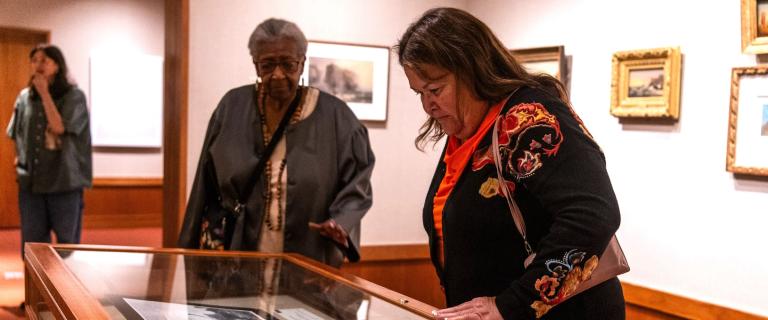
[
  {"x": 754, "y": 26},
  {"x": 123, "y": 120},
  {"x": 357, "y": 74},
  {"x": 549, "y": 60},
  {"x": 747, "y": 151},
  {"x": 646, "y": 83}
]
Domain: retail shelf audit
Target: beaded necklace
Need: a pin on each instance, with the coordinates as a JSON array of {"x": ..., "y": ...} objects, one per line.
[{"x": 266, "y": 193}]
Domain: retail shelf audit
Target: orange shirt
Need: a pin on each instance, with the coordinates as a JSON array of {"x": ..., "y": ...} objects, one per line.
[{"x": 456, "y": 157}]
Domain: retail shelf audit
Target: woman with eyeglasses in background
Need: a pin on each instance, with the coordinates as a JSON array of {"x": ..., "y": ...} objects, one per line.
[{"x": 310, "y": 192}]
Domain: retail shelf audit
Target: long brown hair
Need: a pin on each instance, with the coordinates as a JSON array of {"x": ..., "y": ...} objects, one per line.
[
  {"x": 456, "y": 41},
  {"x": 60, "y": 84}
]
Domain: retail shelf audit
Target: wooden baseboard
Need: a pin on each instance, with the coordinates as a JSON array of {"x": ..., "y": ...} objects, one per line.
[
  {"x": 672, "y": 306},
  {"x": 127, "y": 182},
  {"x": 148, "y": 220},
  {"x": 124, "y": 203},
  {"x": 406, "y": 268},
  {"x": 397, "y": 252}
]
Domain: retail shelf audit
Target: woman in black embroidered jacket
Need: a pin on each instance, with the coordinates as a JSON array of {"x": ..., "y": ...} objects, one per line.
[{"x": 466, "y": 79}]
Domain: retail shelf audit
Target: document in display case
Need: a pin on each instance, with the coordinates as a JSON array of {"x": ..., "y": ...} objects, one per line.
[{"x": 108, "y": 282}]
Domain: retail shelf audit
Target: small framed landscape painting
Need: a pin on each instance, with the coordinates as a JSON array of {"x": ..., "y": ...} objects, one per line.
[{"x": 646, "y": 83}]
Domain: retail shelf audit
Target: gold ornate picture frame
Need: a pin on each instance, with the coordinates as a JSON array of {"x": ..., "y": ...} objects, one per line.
[
  {"x": 549, "y": 60},
  {"x": 747, "y": 151},
  {"x": 754, "y": 26},
  {"x": 646, "y": 83}
]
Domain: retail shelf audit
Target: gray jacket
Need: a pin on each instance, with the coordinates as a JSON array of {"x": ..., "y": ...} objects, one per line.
[
  {"x": 67, "y": 168},
  {"x": 330, "y": 164}
]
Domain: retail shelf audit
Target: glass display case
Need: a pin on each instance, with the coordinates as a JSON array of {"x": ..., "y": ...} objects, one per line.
[{"x": 107, "y": 282}]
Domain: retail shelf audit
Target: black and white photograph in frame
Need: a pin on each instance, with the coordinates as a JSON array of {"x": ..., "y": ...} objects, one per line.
[{"x": 357, "y": 74}]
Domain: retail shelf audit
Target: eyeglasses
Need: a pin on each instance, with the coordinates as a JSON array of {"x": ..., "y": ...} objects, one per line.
[{"x": 270, "y": 66}]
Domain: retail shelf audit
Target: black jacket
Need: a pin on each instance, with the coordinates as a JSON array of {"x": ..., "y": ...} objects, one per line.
[
  {"x": 329, "y": 162},
  {"x": 562, "y": 188}
]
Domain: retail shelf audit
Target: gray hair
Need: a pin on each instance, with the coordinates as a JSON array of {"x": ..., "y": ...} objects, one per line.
[{"x": 275, "y": 29}]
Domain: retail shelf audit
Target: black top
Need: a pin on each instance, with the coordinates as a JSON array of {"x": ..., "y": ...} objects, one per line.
[{"x": 562, "y": 188}]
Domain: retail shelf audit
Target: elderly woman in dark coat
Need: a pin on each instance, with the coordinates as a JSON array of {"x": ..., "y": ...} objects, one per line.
[{"x": 315, "y": 186}]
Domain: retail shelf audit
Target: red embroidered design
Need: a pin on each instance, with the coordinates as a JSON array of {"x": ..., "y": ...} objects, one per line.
[
  {"x": 529, "y": 162},
  {"x": 527, "y": 131}
]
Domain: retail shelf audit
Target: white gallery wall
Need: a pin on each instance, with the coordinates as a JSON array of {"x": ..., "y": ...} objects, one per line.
[
  {"x": 82, "y": 28},
  {"x": 688, "y": 226}
]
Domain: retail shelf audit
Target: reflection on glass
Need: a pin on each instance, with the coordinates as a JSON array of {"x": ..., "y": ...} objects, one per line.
[{"x": 171, "y": 286}]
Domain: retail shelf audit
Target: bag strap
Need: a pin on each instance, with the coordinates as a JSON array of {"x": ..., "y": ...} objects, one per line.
[
  {"x": 517, "y": 217},
  {"x": 276, "y": 136}
]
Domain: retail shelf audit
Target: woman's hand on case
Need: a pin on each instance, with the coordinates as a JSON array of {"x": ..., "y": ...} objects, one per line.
[{"x": 481, "y": 308}]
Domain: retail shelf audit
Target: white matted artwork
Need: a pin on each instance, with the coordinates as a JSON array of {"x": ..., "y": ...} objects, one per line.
[
  {"x": 357, "y": 74},
  {"x": 126, "y": 100},
  {"x": 151, "y": 310},
  {"x": 280, "y": 306},
  {"x": 748, "y": 122},
  {"x": 548, "y": 60}
]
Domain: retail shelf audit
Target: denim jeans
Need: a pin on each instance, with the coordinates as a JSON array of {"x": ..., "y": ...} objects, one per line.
[{"x": 42, "y": 213}]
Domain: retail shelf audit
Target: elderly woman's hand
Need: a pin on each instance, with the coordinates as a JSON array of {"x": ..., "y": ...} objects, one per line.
[
  {"x": 331, "y": 229},
  {"x": 482, "y": 308}
]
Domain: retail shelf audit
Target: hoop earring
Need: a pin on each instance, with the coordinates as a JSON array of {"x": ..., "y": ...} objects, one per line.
[{"x": 258, "y": 80}]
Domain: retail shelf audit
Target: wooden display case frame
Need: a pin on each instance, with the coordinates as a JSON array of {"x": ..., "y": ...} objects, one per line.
[{"x": 50, "y": 285}]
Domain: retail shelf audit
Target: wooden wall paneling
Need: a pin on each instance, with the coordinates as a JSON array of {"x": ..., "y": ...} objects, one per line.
[
  {"x": 676, "y": 307},
  {"x": 413, "y": 278},
  {"x": 123, "y": 203},
  {"x": 635, "y": 312},
  {"x": 15, "y": 45},
  {"x": 175, "y": 96},
  {"x": 406, "y": 269}
]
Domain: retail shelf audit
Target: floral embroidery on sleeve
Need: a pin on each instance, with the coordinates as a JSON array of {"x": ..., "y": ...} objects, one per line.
[
  {"x": 564, "y": 277},
  {"x": 489, "y": 188},
  {"x": 527, "y": 133},
  {"x": 212, "y": 237}
]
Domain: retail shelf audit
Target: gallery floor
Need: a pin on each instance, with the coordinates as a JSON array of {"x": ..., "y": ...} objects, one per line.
[{"x": 12, "y": 267}]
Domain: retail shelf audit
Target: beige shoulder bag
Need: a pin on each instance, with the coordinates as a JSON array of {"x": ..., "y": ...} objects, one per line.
[{"x": 611, "y": 263}]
